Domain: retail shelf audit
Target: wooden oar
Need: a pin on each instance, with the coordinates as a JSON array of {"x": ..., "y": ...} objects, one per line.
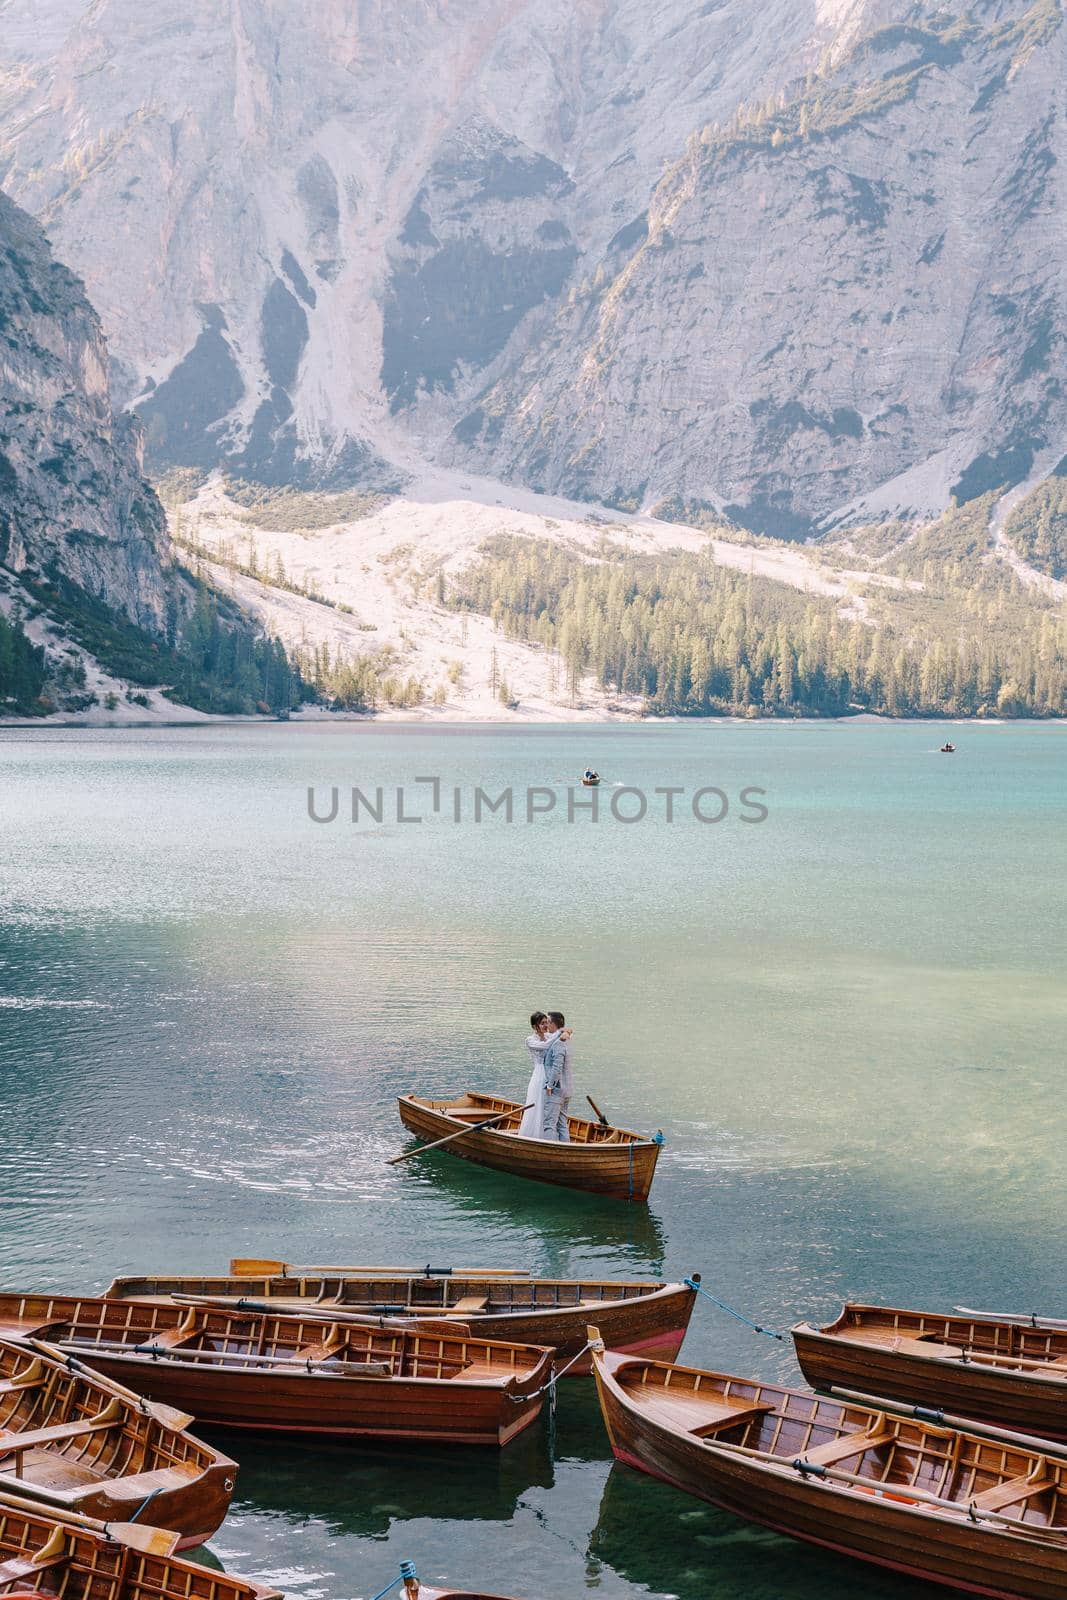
[
  {"x": 601, "y": 1118},
  {"x": 136, "y": 1535},
  {"x": 473, "y": 1127},
  {"x": 394, "y": 1322},
  {"x": 241, "y": 1267},
  {"x": 944, "y": 1419},
  {"x": 1023, "y": 1318},
  {"x": 166, "y": 1416}
]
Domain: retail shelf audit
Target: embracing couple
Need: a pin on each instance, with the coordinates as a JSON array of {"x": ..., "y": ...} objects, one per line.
[{"x": 552, "y": 1081}]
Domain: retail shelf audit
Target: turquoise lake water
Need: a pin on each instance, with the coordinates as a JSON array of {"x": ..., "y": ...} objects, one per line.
[{"x": 848, "y": 1019}]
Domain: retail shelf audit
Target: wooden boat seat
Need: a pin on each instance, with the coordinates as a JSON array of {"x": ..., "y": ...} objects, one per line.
[
  {"x": 699, "y": 1412},
  {"x": 15, "y": 1443},
  {"x": 890, "y": 1338},
  {"x": 172, "y": 1338},
  {"x": 1012, "y": 1493},
  {"x": 484, "y": 1372},
  {"x": 22, "y": 1567},
  {"x": 470, "y": 1303},
  {"x": 850, "y": 1444},
  {"x": 33, "y": 1377}
]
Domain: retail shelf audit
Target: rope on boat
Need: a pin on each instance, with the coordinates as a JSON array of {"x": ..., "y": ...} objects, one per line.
[
  {"x": 407, "y": 1573},
  {"x": 145, "y": 1503},
  {"x": 522, "y": 1399},
  {"x": 757, "y": 1327}
]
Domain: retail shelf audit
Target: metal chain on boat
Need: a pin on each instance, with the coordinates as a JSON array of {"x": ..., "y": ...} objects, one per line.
[{"x": 757, "y": 1327}]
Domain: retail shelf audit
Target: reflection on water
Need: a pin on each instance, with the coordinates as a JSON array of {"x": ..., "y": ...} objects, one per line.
[
  {"x": 364, "y": 1489},
  {"x": 670, "y": 1543},
  {"x": 559, "y": 1220},
  {"x": 848, "y": 1022}
]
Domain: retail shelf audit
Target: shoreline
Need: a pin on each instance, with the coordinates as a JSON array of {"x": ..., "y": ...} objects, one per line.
[{"x": 416, "y": 719}]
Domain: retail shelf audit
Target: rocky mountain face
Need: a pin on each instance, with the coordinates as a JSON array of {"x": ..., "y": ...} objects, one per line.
[
  {"x": 72, "y": 497},
  {"x": 833, "y": 290},
  {"x": 765, "y": 259}
]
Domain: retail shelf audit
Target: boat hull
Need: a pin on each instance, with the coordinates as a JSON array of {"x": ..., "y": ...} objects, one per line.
[
  {"x": 271, "y": 1373},
  {"x": 107, "y": 1476},
  {"x": 316, "y": 1405},
  {"x": 1011, "y": 1399},
  {"x": 195, "y": 1512},
  {"x": 650, "y": 1321},
  {"x": 923, "y": 1545},
  {"x": 94, "y": 1567},
  {"x": 617, "y": 1171}
]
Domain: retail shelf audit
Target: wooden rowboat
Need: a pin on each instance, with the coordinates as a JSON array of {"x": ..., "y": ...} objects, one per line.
[
  {"x": 60, "y": 1554},
  {"x": 601, "y": 1159},
  {"x": 996, "y": 1369},
  {"x": 72, "y": 1441},
  {"x": 643, "y": 1318},
  {"x": 982, "y": 1511},
  {"x": 296, "y": 1375}
]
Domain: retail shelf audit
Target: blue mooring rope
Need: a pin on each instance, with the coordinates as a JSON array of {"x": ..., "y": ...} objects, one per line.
[
  {"x": 407, "y": 1570},
  {"x": 756, "y": 1327}
]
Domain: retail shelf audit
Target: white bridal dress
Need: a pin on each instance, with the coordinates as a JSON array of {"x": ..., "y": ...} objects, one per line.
[{"x": 532, "y": 1125}]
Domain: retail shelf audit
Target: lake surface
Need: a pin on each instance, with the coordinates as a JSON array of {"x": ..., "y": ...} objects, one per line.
[{"x": 848, "y": 1019}]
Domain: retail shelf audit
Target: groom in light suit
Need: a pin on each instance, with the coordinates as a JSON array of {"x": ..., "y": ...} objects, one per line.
[{"x": 559, "y": 1081}]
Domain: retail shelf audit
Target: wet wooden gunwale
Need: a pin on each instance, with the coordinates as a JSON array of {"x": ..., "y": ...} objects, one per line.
[
  {"x": 72, "y": 1441},
  {"x": 643, "y": 1318},
  {"x": 991, "y": 1369},
  {"x": 295, "y": 1375},
  {"x": 614, "y": 1162},
  {"x": 968, "y": 1511}
]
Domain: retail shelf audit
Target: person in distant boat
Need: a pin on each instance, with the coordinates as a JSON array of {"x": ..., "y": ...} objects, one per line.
[
  {"x": 559, "y": 1081},
  {"x": 540, "y": 1043}
]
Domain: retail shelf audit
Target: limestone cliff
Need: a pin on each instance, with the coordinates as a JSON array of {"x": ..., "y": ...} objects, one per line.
[{"x": 72, "y": 497}]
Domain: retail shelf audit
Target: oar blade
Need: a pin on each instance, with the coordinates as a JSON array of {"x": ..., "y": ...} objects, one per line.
[{"x": 141, "y": 1536}]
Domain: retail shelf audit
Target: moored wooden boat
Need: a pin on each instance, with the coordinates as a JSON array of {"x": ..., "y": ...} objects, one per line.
[
  {"x": 61, "y": 1554},
  {"x": 75, "y": 1442},
  {"x": 600, "y": 1159},
  {"x": 979, "y": 1511},
  {"x": 996, "y": 1369},
  {"x": 643, "y": 1318},
  {"x": 296, "y": 1375}
]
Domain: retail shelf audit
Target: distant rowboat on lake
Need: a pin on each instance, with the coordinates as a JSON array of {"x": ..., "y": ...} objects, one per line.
[
  {"x": 997, "y": 1369},
  {"x": 70, "y": 1440},
  {"x": 649, "y": 1318},
  {"x": 979, "y": 1510},
  {"x": 600, "y": 1158},
  {"x": 294, "y": 1375}
]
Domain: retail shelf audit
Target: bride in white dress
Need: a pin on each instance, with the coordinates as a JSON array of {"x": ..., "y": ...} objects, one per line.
[{"x": 532, "y": 1125}]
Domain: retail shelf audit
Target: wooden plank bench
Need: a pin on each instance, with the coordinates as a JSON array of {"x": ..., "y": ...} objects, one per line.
[
  {"x": 484, "y": 1372},
  {"x": 1011, "y": 1493},
  {"x": 698, "y": 1411},
  {"x": 32, "y": 1378},
  {"x": 850, "y": 1444},
  {"x": 15, "y": 1444},
  {"x": 53, "y": 1553}
]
